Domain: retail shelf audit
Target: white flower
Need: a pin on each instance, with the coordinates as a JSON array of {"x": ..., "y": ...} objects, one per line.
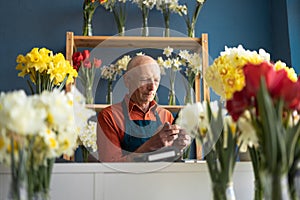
[
  {"x": 184, "y": 54},
  {"x": 19, "y": 114},
  {"x": 194, "y": 118},
  {"x": 189, "y": 118},
  {"x": 168, "y": 51},
  {"x": 168, "y": 63},
  {"x": 248, "y": 135},
  {"x": 113, "y": 70}
]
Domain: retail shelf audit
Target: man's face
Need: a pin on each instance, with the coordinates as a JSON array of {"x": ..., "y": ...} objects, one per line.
[{"x": 143, "y": 82}]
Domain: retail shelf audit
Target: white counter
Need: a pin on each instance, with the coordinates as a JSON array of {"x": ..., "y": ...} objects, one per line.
[{"x": 136, "y": 181}]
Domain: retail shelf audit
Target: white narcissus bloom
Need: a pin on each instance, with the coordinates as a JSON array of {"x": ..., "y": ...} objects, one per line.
[
  {"x": 168, "y": 51},
  {"x": 189, "y": 117},
  {"x": 194, "y": 119},
  {"x": 168, "y": 63},
  {"x": 19, "y": 114},
  {"x": 113, "y": 70},
  {"x": 184, "y": 54},
  {"x": 88, "y": 137},
  {"x": 248, "y": 135},
  {"x": 59, "y": 108},
  {"x": 228, "y": 123}
]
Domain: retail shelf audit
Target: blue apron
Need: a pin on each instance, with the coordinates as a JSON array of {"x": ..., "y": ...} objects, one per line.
[{"x": 137, "y": 132}]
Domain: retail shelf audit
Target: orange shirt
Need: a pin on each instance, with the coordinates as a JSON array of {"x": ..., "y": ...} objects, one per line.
[{"x": 111, "y": 127}]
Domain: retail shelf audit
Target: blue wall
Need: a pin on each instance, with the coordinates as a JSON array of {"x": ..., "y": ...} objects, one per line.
[
  {"x": 35, "y": 23},
  {"x": 293, "y": 7}
]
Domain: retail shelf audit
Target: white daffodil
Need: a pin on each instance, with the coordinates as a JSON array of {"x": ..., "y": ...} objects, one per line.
[
  {"x": 189, "y": 116},
  {"x": 168, "y": 51},
  {"x": 248, "y": 135}
]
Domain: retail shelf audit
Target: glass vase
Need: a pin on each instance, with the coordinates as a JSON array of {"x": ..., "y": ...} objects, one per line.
[
  {"x": 121, "y": 31},
  {"x": 167, "y": 25},
  {"x": 145, "y": 29},
  {"x": 89, "y": 97},
  {"x": 167, "y": 32},
  {"x": 172, "y": 97},
  {"x": 189, "y": 96},
  {"x": 191, "y": 31},
  {"x": 223, "y": 191},
  {"x": 276, "y": 186},
  {"x": 19, "y": 180},
  {"x": 109, "y": 92},
  {"x": 88, "y": 12}
]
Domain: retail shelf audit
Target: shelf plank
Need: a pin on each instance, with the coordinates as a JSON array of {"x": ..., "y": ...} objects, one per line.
[
  {"x": 137, "y": 42},
  {"x": 99, "y": 107}
]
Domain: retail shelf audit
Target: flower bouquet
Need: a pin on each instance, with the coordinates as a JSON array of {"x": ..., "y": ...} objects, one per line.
[
  {"x": 87, "y": 70},
  {"x": 173, "y": 64},
  {"x": 34, "y": 131},
  {"x": 219, "y": 136},
  {"x": 111, "y": 72},
  {"x": 189, "y": 62},
  {"x": 191, "y": 21},
  {"x": 255, "y": 93},
  {"x": 193, "y": 68},
  {"x": 272, "y": 98},
  {"x": 46, "y": 71}
]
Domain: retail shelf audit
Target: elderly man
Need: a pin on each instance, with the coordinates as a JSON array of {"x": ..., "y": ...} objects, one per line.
[{"x": 137, "y": 125}]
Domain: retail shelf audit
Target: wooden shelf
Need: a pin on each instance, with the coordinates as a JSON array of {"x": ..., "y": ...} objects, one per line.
[
  {"x": 137, "y": 42},
  {"x": 99, "y": 107}
]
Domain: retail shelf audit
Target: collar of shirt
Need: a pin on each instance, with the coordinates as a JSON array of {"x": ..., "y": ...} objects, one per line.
[{"x": 132, "y": 106}]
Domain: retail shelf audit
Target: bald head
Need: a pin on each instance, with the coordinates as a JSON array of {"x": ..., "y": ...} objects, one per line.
[{"x": 140, "y": 61}]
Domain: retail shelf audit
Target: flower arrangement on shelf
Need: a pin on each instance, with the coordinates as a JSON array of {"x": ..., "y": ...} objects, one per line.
[
  {"x": 265, "y": 96},
  {"x": 86, "y": 72},
  {"x": 145, "y": 7},
  {"x": 193, "y": 68},
  {"x": 89, "y": 7},
  {"x": 118, "y": 8},
  {"x": 191, "y": 21},
  {"x": 221, "y": 139},
  {"x": 167, "y": 7},
  {"x": 112, "y": 71},
  {"x": 32, "y": 136},
  {"x": 46, "y": 71},
  {"x": 173, "y": 64},
  {"x": 189, "y": 62}
]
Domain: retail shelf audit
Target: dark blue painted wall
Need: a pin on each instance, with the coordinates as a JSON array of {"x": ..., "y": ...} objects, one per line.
[
  {"x": 293, "y": 7},
  {"x": 35, "y": 23}
]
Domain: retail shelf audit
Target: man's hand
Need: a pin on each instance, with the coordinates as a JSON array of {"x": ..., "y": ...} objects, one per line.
[
  {"x": 183, "y": 140},
  {"x": 165, "y": 136}
]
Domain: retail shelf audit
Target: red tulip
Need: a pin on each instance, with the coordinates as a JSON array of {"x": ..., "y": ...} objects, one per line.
[
  {"x": 253, "y": 74},
  {"x": 238, "y": 104},
  {"x": 97, "y": 62},
  {"x": 87, "y": 64},
  {"x": 77, "y": 58},
  {"x": 86, "y": 54}
]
